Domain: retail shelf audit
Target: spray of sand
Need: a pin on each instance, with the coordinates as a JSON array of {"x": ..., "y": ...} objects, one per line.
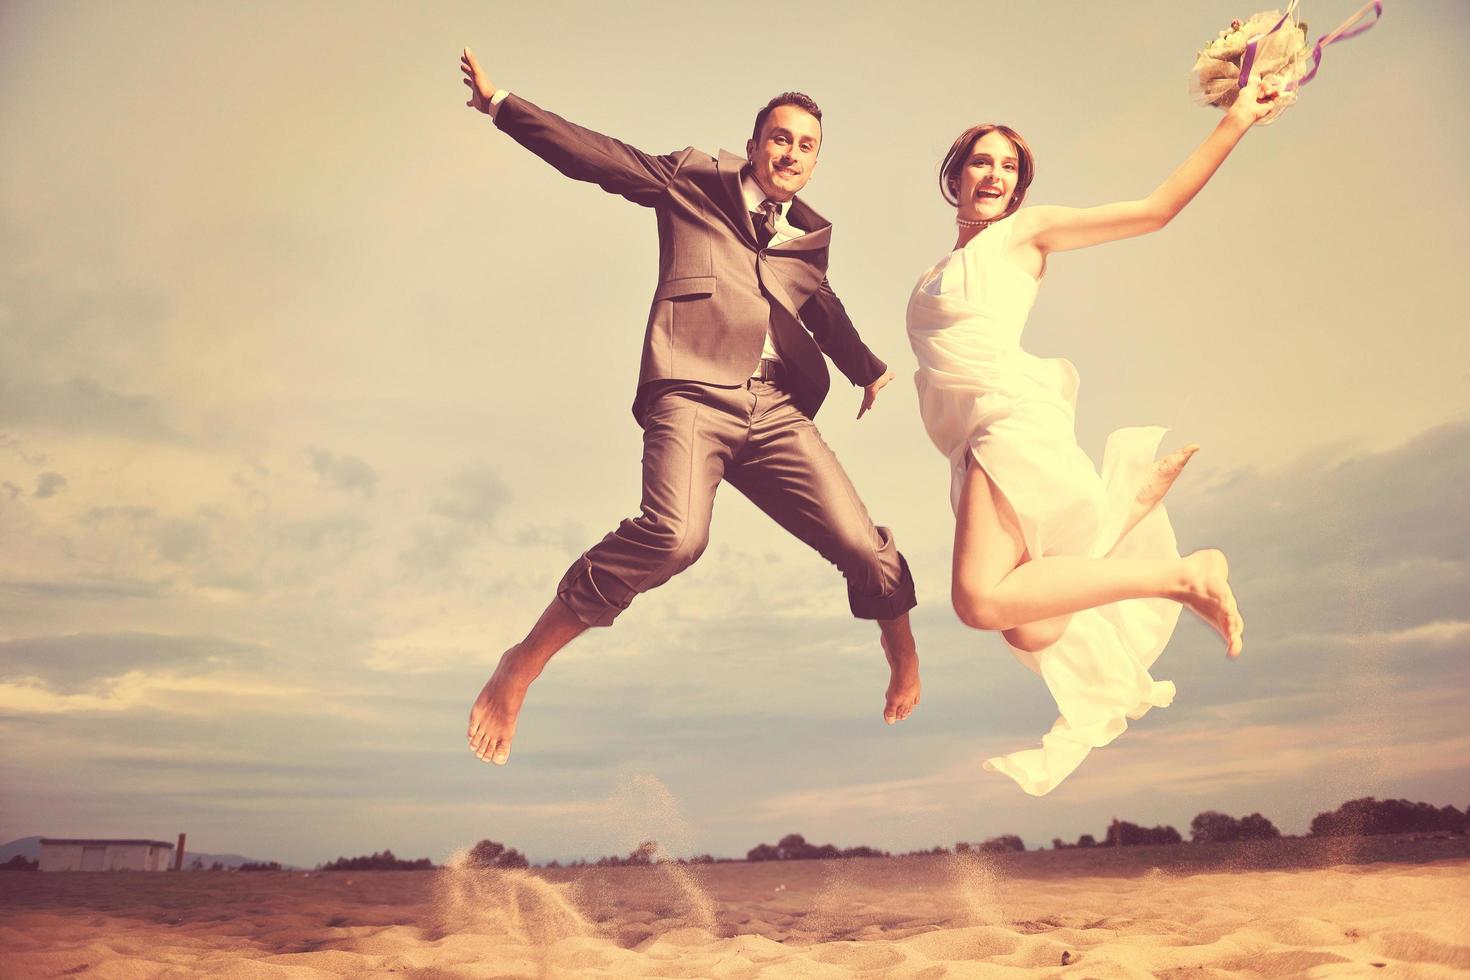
[
  {"x": 506, "y": 903},
  {"x": 833, "y": 915},
  {"x": 521, "y": 906},
  {"x": 975, "y": 883},
  {"x": 646, "y": 813}
]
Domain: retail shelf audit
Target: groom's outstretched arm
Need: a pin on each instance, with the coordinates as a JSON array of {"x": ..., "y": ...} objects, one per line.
[
  {"x": 832, "y": 329},
  {"x": 574, "y": 150}
]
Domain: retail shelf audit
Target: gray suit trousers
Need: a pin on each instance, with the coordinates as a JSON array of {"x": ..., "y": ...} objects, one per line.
[{"x": 694, "y": 436}]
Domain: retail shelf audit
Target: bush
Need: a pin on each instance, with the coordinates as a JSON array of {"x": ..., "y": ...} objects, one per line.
[
  {"x": 1002, "y": 844},
  {"x": 1212, "y": 827},
  {"x": 1121, "y": 833},
  {"x": 384, "y": 861},
  {"x": 20, "y": 863},
  {"x": 794, "y": 847},
  {"x": 1368, "y": 816},
  {"x": 1257, "y": 827},
  {"x": 493, "y": 854}
]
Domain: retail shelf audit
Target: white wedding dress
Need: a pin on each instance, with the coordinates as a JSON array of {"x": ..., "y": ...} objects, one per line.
[{"x": 981, "y": 395}]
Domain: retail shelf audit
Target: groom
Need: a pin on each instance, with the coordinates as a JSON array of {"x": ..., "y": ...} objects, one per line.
[{"x": 732, "y": 374}]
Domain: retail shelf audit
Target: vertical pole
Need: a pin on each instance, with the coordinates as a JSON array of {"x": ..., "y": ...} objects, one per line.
[{"x": 179, "y": 855}]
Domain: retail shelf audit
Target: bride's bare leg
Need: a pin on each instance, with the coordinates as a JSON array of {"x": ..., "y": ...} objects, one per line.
[
  {"x": 993, "y": 589},
  {"x": 988, "y": 545}
]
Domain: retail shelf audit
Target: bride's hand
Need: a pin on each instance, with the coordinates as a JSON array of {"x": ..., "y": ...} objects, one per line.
[{"x": 1257, "y": 100}]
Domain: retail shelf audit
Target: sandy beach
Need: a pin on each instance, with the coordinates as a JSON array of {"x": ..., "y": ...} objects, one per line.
[{"x": 1320, "y": 908}]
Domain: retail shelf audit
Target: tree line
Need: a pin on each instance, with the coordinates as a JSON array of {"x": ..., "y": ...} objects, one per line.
[{"x": 1362, "y": 817}]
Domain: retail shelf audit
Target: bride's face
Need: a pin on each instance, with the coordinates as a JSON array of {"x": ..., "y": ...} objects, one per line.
[{"x": 988, "y": 178}]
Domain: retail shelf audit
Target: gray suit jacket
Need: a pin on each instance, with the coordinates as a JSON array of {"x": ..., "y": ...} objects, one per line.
[{"x": 718, "y": 290}]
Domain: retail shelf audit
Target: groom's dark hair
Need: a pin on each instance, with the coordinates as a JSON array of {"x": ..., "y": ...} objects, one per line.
[{"x": 799, "y": 99}]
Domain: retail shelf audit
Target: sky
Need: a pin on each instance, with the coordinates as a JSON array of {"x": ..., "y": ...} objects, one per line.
[{"x": 312, "y": 383}]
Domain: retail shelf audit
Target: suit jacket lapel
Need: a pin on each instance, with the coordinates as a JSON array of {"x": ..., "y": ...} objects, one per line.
[
  {"x": 730, "y": 166},
  {"x": 803, "y": 216},
  {"x": 817, "y": 230}
]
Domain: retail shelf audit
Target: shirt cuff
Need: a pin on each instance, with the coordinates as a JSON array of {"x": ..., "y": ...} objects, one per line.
[{"x": 495, "y": 101}]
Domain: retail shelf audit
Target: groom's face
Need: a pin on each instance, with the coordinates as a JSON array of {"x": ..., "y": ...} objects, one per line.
[{"x": 783, "y": 159}]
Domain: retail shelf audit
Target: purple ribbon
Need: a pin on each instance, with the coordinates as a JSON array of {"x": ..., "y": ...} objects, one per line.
[{"x": 1347, "y": 29}]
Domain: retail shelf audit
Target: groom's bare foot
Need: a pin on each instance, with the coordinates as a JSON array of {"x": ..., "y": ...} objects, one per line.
[
  {"x": 493, "y": 716},
  {"x": 903, "y": 681},
  {"x": 1207, "y": 592}
]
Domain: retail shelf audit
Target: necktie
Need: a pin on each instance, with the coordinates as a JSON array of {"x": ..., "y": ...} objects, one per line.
[{"x": 765, "y": 222}]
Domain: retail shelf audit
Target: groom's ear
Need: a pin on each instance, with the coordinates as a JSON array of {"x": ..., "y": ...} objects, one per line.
[{"x": 750, "y": 152}]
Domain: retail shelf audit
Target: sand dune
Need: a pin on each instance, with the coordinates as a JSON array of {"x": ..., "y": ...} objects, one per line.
[{"x": 1052, "y": 914}]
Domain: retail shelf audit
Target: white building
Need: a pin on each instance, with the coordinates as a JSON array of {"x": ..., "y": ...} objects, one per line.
[{"x": 62, "y": 854}]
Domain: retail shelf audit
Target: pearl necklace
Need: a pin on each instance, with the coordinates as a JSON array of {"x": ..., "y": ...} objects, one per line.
[{"x": 968, "y": 223}]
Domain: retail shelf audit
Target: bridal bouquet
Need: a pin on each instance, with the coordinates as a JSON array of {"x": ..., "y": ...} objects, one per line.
[
  {"x": 1279, "y": 50},
  {"x": 1273, "y": 46}
]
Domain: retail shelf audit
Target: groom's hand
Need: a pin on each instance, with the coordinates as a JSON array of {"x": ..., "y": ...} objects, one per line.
[
  {"x": 481, "y": 88},
  {"x": 870, "y": 392}
]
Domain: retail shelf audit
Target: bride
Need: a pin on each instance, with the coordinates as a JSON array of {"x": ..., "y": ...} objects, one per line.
[{"x": 1078, "y": 571}]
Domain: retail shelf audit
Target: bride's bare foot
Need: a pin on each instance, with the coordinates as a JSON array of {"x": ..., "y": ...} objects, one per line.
[
  {"x": 1160, "y": 478},
  {"x": 493, "y": 716},
  {"x": 903, "y": 681},
  {"x": 1206, "y": 591}
]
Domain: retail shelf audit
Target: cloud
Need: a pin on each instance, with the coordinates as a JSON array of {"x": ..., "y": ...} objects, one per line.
[
  {"x": 336, "y": 532},
  {"x": 436, "y": 549},
  {"x": 84, "y": 589},
  {"x": 84, "y": 404},
  {"x": 1335, "y": 555},
  {"x": 1332, "y": 736},
  {"x": 174, "y": 539},
  {"x": 473, "y": 497},
  {"x": 932, "y": 793},
  {"x": 71, "y": 664},
  {"x": 569, "y": 537},
  {"x": 160, "y": 690},
  {"x": 344, "y": 472},
  {"x": 66, "y": 345},
  {"x": 464, "y": 507},
  {"x": 14, "y": 444},
  {"x": 49, "y": 484},
  {"x": 1394, "y": 525},
  {"x": 181, "y": 541},
  {"x": 1436, "y": 634}
]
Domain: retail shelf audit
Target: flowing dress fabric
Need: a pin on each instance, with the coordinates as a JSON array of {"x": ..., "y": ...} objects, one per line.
[{"x": 983, "y": 397}]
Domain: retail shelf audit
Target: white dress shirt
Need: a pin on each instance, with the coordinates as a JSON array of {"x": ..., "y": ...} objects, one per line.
[{"x": 785, "y": 231}]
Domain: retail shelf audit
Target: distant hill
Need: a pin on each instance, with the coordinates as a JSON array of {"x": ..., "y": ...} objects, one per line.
[
  {"x": 30, "y": 848},
  {"x": 27, "y": 847}
]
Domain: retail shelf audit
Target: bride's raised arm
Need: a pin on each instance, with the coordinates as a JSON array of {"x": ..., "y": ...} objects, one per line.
[{"x": 1058, "y": 229}]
